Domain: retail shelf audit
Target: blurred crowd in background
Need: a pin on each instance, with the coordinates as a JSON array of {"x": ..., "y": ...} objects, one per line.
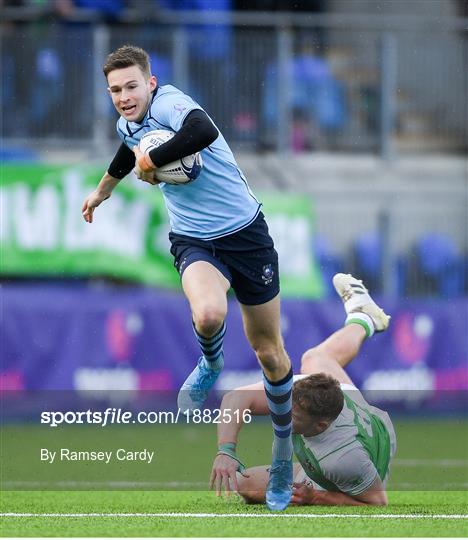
[
  {"x": 347, "y": 77},
  {"x": 329, "y": 75}
]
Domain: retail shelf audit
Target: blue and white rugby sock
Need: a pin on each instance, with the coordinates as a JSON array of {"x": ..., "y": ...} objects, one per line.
[
  {"x": 279, "y": 398},
  {"x": 212, "y": 348}
]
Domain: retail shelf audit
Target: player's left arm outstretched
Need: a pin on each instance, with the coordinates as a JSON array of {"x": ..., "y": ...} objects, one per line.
[
  {"x": 99, "y": 195},
  {"x": 250, "y": 399},
  {"x": 121, "y": 165}
]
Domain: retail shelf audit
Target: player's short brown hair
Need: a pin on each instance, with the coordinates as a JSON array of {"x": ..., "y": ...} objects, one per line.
[
  {"x": 319, "y": 395},
  {"x": 126, "y": 56}
]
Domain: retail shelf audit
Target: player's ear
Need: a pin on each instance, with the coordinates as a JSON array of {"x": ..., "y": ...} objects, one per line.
[
  {"x": 153, "y": 82},
  {"x": 322, "y": 425},
  {"x": 109, "y": 91}
]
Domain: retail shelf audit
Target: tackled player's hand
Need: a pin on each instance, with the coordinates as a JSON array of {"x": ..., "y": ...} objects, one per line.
[
  {"x": 224, "y": 473},
  {"x": 302, "y": 494}
]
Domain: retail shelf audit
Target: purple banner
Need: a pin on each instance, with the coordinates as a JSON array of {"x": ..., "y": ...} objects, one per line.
[{"x": 106, "y": 338}]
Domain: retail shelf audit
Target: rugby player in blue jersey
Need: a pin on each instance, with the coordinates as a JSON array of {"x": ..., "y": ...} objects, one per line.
[{"x": 219, "y": 239}]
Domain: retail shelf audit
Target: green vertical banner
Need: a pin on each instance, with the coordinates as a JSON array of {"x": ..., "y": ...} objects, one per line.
[
  {"x": 42, "y": 231},
  {"x": 290, "y": 220}
]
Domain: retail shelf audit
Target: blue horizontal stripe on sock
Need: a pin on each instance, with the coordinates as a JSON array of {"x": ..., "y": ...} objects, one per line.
[
  {"x": 278, "y": 390},
  {"x": 282, "y": 381},
  {"x": 281, "y": 408},
  {"x": 212, "y": 343},
  {"x": 212, "y": 352},
  {"x": 218, "y": 335},
  {"x": 283, "y": 434},
  {"x": 278, "y": 399},
  {"x": 282, "y": 429},
  {"x": 213, "y": 346},
  {"x": 281, "y": 419}
]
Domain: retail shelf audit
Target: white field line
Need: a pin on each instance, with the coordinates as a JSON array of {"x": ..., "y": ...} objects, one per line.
[
  {"x": 415, "y": 462},
  {"x": 421, "y": 486},
  {"x": 239, "y": 515},
  {"x": 109, "y": 484},
  {"x": 189, "y": 486}
]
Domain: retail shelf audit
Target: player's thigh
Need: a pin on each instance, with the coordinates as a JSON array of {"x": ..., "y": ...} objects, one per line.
[
  {"x": 262, "y": 322},
  {"x": 205, "y": 287},
  {"x": 316, "y": 362},
  {"x": 252, "y": 260},
  {"x": 205, "y": 279}
]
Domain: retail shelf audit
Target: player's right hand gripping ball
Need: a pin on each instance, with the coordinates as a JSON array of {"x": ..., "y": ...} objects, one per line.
[{"x": 181, "y": 171}]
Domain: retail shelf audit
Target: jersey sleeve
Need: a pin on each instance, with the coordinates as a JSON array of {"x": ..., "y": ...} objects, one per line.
[
  {"x": 171, "y": 110},
  {"x": 352, "y": 473}
]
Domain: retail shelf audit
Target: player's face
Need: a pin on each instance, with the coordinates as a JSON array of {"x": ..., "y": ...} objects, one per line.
[
  {"x": 302, "y": 422},
  {"x": 305, "y": 424},
  {"x": 130, "y": 91}
]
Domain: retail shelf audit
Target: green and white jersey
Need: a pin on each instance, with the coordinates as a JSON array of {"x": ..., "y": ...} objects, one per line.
[{"x": 356, "y": 447}]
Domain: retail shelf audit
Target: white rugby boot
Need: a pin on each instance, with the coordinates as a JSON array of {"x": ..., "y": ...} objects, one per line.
[{"x": 356, "y": 299}]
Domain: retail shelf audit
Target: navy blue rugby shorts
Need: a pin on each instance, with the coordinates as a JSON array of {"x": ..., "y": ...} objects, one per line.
[{"x": 247, "y": 259}]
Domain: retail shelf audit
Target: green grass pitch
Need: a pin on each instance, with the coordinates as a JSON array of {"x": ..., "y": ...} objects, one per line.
[{"x": 427, "y": 497}]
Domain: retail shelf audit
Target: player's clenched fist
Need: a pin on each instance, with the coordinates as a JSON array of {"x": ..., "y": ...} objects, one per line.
[{"x": 92, "y": 201}]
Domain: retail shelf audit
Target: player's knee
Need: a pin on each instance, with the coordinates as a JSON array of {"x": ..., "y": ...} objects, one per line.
[
  {"x": 248, "y": 490},
  {"x": 209, "y": 319},
  {"x": 253, "y": 497},
  {"x": 312, "y": 362},
  {"x": 381, "y": 499}
]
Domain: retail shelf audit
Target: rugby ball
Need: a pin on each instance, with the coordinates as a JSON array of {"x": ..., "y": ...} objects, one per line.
[{"x": 182, "y": 171}]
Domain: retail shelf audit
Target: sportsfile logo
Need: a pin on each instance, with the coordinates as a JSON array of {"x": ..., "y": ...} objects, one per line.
[
  {"x": 108, "y": 417},
  {"x": 118, "y": 416}
]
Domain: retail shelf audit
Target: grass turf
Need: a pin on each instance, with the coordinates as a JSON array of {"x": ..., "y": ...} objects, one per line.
[
  {"x": 439, "y": 449},
  {"x": 196, "y": 502}
]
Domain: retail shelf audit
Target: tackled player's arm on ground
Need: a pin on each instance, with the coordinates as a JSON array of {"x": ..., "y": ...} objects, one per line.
[
  {"x": 354, "y": 474},
  {"x": 236, "y": 403},
  {"x": 306, "y": 495},
  {"x": 121, "y": 165}
]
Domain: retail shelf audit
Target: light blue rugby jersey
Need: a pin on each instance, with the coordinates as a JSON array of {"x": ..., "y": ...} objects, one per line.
[{"x": 219, "y": 202}]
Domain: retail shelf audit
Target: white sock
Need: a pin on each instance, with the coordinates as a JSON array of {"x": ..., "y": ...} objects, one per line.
[{"x": 363, "y": 320}]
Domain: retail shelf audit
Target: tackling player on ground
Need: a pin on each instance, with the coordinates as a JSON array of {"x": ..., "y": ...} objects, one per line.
[
  {"x": 343, "y": 444},
  {"x": 219, "y": 240}
]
